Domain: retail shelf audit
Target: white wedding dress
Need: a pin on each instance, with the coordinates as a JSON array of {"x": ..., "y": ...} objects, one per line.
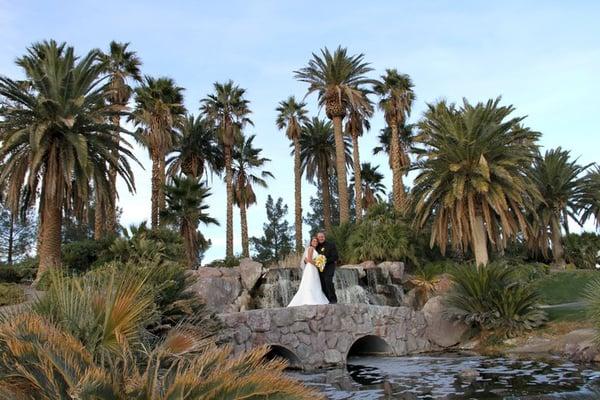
[{"x": 309, "y": 292}]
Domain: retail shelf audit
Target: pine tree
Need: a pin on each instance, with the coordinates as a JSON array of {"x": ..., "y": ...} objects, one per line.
[
  {"x": 277, "y": 240},
  {"x": 17, "y": 235}
]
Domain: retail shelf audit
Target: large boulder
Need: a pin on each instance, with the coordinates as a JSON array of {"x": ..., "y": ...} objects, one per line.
[
  {"x": 443, "y": 284},
  {"x": 440, "y": 330},
  {"x": 250, "y": 272},
  {"x": 219, "y": 288},
  {"x": 393, "y": 269}
]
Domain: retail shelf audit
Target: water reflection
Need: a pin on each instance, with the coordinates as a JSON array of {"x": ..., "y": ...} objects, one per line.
[{"x": 455, "y": 377}]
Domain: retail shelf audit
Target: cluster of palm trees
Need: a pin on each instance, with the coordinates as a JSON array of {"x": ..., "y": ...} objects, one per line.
[
  {"x": 64, "y": 144},
  {"x": 480, "y": 178}
]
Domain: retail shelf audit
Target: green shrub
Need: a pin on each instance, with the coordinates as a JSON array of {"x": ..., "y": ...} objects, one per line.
[
  {"x": 380, "y": 240},
  {"x": 143, "y": 244},
  {"x": 582, "y": 250},
  {"x": 493, "y": 299},
  {"x": 229, "y": 262},
  {"x": 81, "y": 256},
  {"x": 10, "y": 294},
  {"x": 340, "y": 235},
  {"x": 381, "y": 235},
  {"x": 19, "y": 272}
]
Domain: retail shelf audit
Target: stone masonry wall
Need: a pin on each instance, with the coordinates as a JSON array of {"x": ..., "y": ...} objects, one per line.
[{"x": 321, "y": 336}]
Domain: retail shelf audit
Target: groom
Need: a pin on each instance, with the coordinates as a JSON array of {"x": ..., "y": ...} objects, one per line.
[{"x": 329, "y": 250}]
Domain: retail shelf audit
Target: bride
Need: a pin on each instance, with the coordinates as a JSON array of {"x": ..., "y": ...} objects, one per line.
[{"x": 309, "y": 292}]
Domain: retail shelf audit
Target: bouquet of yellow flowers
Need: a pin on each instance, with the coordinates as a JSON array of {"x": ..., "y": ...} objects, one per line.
[{"x": 320, "y": 262}]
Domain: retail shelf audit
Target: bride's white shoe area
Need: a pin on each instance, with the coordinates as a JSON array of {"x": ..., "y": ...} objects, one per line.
[{"x": 309, "y": 292}]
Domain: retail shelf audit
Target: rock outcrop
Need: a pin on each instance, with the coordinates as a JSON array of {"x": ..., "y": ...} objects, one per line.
[{"x": 440, "y": 330}]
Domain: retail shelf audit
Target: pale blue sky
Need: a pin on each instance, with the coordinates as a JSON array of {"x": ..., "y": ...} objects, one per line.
[{"x": 543, "y": 57}]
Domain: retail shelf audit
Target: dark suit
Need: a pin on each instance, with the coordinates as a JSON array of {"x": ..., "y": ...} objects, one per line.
[{"x": 329, "y": 250}]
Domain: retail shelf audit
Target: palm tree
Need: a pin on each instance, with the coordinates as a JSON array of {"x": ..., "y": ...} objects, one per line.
[
  {"x": 228, "y": 111},
  {"x": 406, "y": 140},
  {"x": 358, "y": 121},
  {"x": 291, "y": 116},
  {"x": 590, "y": 203},
  {"x": 196, "y": 150},
  {"x": 339, "y": 79},
  {"x": 186, "y": 208},
  {"x": 474, "y": 180},
  {"x": 158, "y": 111},
  {"x": 57, "y": 138},
  {"x": 396, "y": 98},
  {"x": 371, "y": 182},
  {"x": 246, "y": 159},
  {"x": 121, "y": 66},
  {"x": 562, "y": 187},
  {"x": 318, "y": 159}
]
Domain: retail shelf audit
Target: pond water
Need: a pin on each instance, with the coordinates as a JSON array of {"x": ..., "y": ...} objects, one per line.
[{"x": 455, "y": 376}]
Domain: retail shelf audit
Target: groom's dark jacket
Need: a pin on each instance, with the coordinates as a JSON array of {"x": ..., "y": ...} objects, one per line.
[{"x": 330, "y": 252}]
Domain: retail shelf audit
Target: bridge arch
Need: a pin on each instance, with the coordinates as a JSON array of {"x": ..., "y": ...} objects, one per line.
[
  {"x": 369, "y": 345},
  {"x": 279, "y": 351}
]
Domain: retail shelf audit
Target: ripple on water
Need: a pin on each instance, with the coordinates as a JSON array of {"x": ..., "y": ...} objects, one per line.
[{"x": 442, "y": 377}]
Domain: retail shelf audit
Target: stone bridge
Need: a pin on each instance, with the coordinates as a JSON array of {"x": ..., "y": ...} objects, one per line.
[{"x": 312, "y": 337}]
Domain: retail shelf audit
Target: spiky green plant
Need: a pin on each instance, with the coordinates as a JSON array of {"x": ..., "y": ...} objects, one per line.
[
  {"x": 494, "y": 300},
  {"x": 86, "y": 339}
]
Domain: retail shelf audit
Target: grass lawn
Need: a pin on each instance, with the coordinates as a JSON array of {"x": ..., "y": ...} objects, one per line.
[{"x": 565, "y": 287}]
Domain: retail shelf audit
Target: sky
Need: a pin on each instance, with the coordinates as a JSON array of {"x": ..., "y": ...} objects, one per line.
[{"x": 543, "y": 57}]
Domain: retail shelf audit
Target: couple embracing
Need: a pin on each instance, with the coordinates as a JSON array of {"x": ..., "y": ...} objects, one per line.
[{"x": 316, "y": 286}]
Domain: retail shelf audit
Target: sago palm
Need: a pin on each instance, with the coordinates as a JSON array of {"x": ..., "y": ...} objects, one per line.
[
  {"x": 340, "y": 80},
  {"x": 228, "y": 110},
  {"x": 318, "y": 159},
  {"x": 396, "y": 98},
  {"x": 358, "y": 122},
  {"x": 57, "y": 138},
  {"x": 291, "y": 115},
  {"x": 372, "y": 185},
  {"x": 158, "y": 111},
  {"x": 186, "y": 208},
  {"x": 196, "y": 149},
  {"x": 474, "y": 181},
  {"x": 247, "y": 162},
  {"x": 86, "y": 339},
  {"x": 562, "y": 187},
  {"x": 122, "y": 66}
]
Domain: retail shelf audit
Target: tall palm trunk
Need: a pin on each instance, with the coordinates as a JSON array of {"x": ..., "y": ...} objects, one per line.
[
  {"x": 340, "y": 161},
  {"x": 244, "y": 224},
  {"x": 479, "y": 241},
  {"x": 51, "y": 216},
  {"x": 396, "y": 163},
  {"x": 99, "y": 216},
  {"x": 161, "y": 184},
  {"x": 326, "y": 199},
  {"x": 190, "y": 241},
  {"x": 357, "y": 178},
  {"x": 111, "y": 213},
  {"x": 156, "y": 181},
  {"x": 298, "y": 194},
  {"x": 229, "y": 188},
  {"x": 558, "y": 252},
  {"x": 11, "y": 239}
]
